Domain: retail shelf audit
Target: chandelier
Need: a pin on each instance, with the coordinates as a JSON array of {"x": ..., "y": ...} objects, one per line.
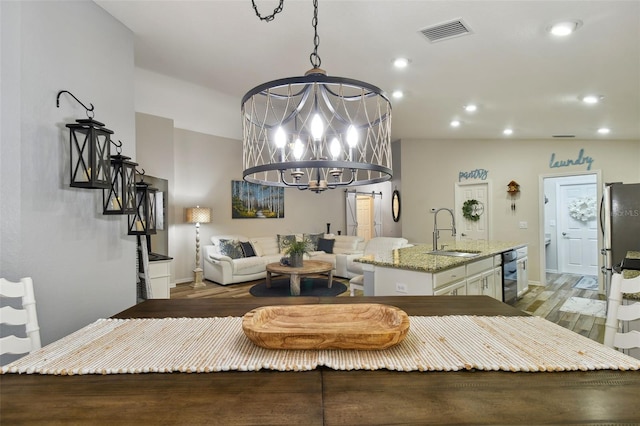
[{"x": 315, "y": 132}]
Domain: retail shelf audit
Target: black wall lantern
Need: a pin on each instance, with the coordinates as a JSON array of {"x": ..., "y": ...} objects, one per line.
[
  {"x": 120, "y": 198},
  {"x": 143, "y": 220},
  {"x": 90, "y": 150}
]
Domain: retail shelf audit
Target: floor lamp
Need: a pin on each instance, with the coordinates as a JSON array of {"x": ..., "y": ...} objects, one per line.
[{"x": 198, "y": 215}]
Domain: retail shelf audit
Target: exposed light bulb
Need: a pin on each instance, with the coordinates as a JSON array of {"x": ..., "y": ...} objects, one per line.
[
  {"x": 280, "y": 138},
  {"x": 335, "y": 148},
  {"x": 397, "y": 94},
  {"x": 317, "y": 128},
  {"x": 604, "y": 130},
  {"x": 507, "y": 132},
  {"x": 455, "y": 123},
  {"x": 298, "y": 148},
  {"x": 352, "y": 136},
  {"x": 470, "y": 108}
]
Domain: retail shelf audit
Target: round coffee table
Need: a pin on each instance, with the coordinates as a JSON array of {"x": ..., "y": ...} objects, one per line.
[{"x": 309, "y": 267}]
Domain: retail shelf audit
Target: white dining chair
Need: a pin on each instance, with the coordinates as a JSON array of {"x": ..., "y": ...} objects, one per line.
[
  {"x": 617, "y": 313},
  {"x": 26, "y": 316}
]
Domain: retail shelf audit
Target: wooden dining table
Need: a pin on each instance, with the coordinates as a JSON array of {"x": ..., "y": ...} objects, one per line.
[{"x": 322, "y": 396}]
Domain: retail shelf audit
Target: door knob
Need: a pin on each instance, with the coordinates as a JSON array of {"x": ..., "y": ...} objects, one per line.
[
  {"x": 564, "y": 234},
  {"x": 463, "y": 235}
]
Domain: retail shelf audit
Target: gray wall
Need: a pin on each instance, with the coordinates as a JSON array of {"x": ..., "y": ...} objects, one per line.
[{"x": 82, "y": 262}]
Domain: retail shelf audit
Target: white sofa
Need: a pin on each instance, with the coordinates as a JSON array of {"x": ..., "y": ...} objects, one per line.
[{"x": 223, "y": 269}]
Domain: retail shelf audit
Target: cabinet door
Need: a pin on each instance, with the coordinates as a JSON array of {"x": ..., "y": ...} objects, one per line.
[
  {"x": 523, "y": 275},
  {"x": 475, "y": 285},
  {"x": 489, "y": 284},
  {"x": 497, "y": 283},
  {"x": 458, "y": 288}
]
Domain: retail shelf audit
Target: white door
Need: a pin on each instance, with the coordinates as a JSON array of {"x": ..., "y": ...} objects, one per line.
[
  {"x": 577, "y": 233},
  {"x": 364, "y": 208},
  {"x": 469, "y": 229}
]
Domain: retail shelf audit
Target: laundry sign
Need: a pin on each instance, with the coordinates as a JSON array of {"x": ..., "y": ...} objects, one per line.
[{"x": 579, "y": 160}]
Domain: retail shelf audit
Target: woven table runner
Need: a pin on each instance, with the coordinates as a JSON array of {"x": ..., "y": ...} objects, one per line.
[{"x": 446, "y": 343}]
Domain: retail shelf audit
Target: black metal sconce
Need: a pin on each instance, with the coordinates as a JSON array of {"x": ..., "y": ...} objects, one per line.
[
  {"x": 143, "y": 220},
  {"x": 120, "y": 198},
  {"x": 90, "y": 150}
]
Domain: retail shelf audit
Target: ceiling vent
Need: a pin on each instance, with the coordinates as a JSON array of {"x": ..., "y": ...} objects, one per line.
[
  {"x": 564, "y": 136},
  {"x": 446, "y": 30}
]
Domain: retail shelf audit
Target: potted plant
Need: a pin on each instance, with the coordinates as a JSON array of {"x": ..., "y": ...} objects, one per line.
[{"x": 296, "y": 250}]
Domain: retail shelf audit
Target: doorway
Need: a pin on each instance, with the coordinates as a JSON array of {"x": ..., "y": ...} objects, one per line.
[
  {"x": 468, "y": 230},
  {"x": 364, "y": 214},
  {"x": 569, "y": 224}
]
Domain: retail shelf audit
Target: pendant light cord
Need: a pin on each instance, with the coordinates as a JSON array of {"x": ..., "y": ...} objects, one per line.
[
  {"x": 271, "y": 17},
  {"x": 314, "y": 58}
]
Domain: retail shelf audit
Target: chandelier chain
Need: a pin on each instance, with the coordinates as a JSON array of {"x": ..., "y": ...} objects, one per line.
[
  {"x": 271, "y": 17},
  {"x": 314, "y": 57}
]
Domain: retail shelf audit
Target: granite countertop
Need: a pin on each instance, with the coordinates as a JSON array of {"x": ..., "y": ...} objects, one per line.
[{"x": 416, "y": 258}]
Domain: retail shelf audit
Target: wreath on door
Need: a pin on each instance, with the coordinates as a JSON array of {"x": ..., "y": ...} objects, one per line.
[
  {"x": 472, "y": 210},
  {"x": 583, "y": 209}
]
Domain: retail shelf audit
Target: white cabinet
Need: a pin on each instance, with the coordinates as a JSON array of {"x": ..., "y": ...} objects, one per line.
[
  {"x": 522, "y": 270},
  {"x": 481, "y": 278},
  {"x": 160, "y": 278},
  {"x": 458, "y": 288}
]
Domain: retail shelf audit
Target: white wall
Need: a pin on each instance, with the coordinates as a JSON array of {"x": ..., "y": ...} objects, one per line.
[
  {"x": 82, "y": 262},
  {"x": 431, "y": 168}
]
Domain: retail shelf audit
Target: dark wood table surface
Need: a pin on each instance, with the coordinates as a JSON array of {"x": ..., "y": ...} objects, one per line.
[{"x": 323, "y": 396}]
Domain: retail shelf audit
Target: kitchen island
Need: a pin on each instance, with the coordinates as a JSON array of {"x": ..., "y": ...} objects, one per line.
[{"x": 414, "y": 271}]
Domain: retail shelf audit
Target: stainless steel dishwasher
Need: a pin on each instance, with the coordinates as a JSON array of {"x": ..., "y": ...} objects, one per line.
[{"x": 510, "y": 277}]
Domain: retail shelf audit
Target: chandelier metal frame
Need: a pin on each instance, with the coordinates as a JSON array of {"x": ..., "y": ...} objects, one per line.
[{"x": 314, "y": 131}]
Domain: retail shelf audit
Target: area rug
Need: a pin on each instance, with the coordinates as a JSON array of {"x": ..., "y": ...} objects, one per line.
[
  {"x": 587, "y": 282},
  {"x": 316, "y": 287},
  {"x": 583, "y": 306}
]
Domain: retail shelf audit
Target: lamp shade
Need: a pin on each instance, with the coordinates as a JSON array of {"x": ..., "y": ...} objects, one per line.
[{"x": 198, "y": 214}]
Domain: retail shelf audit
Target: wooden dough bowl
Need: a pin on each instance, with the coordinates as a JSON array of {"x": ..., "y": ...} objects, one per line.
[{"x": 349, "y": 326}]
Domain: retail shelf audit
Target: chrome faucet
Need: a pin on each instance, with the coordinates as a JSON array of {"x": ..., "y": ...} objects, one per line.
[{"x": 436, "y": 231}]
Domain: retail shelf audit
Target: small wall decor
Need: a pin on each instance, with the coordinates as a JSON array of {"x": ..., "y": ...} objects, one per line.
[
  {"x": 396, "y": 207},
  {"x": 583, "y": 209},
  {"x": 513, "y": 189},
  {"x": 252, "y": 201},
  {"x": 472, "y": 210},
  {"x": 89, "y": 150}
]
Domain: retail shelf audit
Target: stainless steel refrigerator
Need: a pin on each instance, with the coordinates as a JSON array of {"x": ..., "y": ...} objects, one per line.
[{"x": 620, "y": 223}]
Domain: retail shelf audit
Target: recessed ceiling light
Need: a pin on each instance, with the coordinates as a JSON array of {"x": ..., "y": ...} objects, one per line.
[
  {"x": 454, "y": 123},
  {"x": 564, "y": 28},
  {"x": 470, "y": 108},
  {"x": 507, "y": 132},
  {"x": 397, "y": 94},
  {"x": 591, "y": 99},
  {"x": 401, "y": 62},
  {"x": 604, "y": 130}
]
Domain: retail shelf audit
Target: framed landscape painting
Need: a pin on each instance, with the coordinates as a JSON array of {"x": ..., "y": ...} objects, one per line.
[{"x": 253, "y": 201}]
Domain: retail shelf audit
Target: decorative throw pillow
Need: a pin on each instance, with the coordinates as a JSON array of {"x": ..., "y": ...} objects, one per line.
[
  {"x": 313, "y": 238},
  {"x": 325, "y": 245},
  {"x": 247, "y": 249},
  {"x": 284, "y": 241},
  {"x": 231, "y": 248}
]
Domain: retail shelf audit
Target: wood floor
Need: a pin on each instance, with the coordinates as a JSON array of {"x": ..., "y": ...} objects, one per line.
[
  {"x": 542, "y": 301},
  {"x": 546, "y": 301}
]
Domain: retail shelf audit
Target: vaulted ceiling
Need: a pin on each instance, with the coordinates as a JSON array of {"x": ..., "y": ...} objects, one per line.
[{"x": 518, "y": 75}]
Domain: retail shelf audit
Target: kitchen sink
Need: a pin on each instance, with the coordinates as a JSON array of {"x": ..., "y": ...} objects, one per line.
[{"x": 455, "y": 253}]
